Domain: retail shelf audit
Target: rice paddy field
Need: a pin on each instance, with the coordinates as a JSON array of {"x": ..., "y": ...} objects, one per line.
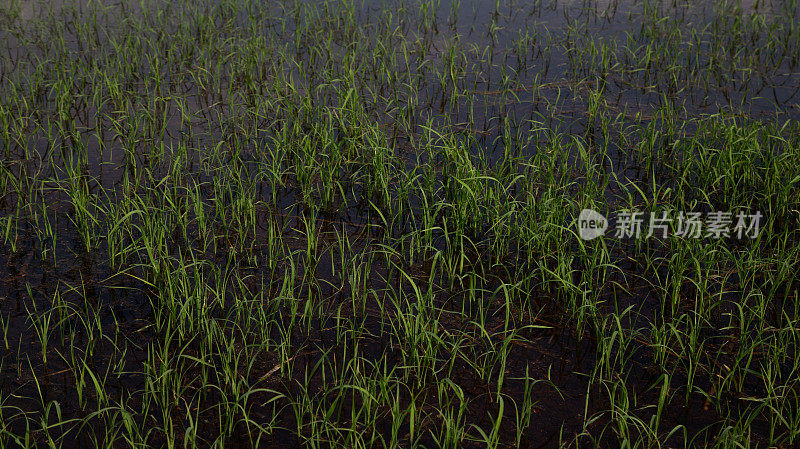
[{"x": 362, "y": 224}]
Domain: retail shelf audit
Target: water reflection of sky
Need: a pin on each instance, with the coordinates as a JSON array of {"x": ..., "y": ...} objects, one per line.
[
  {"x": 505, "y": 28},
  {"x": 758, "y": 88}
]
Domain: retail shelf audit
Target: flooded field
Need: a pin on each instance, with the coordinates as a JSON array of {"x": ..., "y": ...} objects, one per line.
[{"x": 400, "y": 224}]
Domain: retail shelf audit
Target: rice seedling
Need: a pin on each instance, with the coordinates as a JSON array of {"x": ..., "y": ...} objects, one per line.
[{"x": 358, "y": 224}]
